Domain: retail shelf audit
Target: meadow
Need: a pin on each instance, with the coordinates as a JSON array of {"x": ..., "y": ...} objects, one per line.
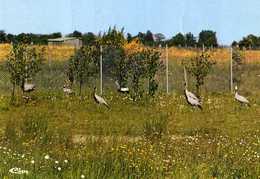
[{"x": 59, "y": 136}]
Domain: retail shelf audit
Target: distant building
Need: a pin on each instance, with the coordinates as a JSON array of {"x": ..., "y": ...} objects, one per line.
[{"x": 73, "y": 41}]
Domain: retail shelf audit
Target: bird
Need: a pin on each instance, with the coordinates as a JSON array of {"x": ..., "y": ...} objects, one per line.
[
  {"x": 99, "y": 99},
  {"x": 121, "y": 89},
  {"x": 240, "y": 98},
  {"x": 28, "y": 87},
  {"x": 191, "y": 98},
  {"x": 67, "y": 90}
]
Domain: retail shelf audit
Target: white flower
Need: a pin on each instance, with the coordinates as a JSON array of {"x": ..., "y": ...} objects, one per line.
[
  {"x": 32, "y": 161},
  {"x": 65, "y": 161},
  {"x": 82, "y": 176},
  {"x": 18, "y": 171},
  {"x": 59, "y": 168},
  {"x": 47, "y": 157},
  {"x": 57, "y": 162},
  {"x": 23, "y": 156}
]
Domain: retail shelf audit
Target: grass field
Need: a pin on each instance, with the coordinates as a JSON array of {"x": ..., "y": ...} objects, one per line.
[{"x": 56, "y": 136}]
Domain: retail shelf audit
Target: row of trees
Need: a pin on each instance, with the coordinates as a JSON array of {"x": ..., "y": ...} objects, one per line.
[
  {"x": 24, "y": 61},
  {"x": 248, "y": 42},
  {"x": 129, "y": 63},
  {"x": 208, "y": 38}
]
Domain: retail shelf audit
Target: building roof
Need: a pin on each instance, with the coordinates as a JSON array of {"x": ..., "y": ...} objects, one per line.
[{"x": 62, "y": 39}]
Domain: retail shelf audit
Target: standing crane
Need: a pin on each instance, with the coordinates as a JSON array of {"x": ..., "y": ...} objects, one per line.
[
  {"x": 191, "y": 98},
  {"x": 240, "y": 98},
  {"x": 67, "y": 90},
  {"x": 99, "y": 99},
  {"x": 121, "y": 89},
  {"x": 28, "y": 87}
]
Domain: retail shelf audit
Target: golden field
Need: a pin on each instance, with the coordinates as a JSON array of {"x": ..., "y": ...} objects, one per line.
[{"x": 60, "y": 53}]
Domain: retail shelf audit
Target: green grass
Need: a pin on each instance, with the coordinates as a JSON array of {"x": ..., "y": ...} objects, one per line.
[{"x": 161, "y": 137}]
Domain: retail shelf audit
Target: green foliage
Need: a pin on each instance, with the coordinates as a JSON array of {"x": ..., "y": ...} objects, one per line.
[
  {"x": 89, "y": 38},
  {"x": 190, "y": 40},
  {"x": 116, "y": 64},
  {"x": 23, "y": 62},
  {"x": 200, "y": 66},
  {"x": 3, "y": 38},
  {"x": 144, "y": 64},
  {"x": 177, "y": 40},
  {"x": 208, "y": 38},
  {"x": 83, "y": 65},
  {"x": 75, "y": 34},
  {"x": 112, "y": 38},
  {"x": 250, "y": 42},
  {"x": 238, "y": 64}
]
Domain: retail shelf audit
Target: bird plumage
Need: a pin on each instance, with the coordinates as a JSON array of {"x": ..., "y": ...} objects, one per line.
[
  {"x": 240, "y": 98},
  {"x": 67, "y": 90},
  {"x": 99, "y": 99},
  {"x": 121, "y": 89},
  {"x": 28, "y": 87},
  {"x": 191, "y": 98}
]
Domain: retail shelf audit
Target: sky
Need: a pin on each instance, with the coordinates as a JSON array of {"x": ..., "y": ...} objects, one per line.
[{"x": 231, "y": 19}]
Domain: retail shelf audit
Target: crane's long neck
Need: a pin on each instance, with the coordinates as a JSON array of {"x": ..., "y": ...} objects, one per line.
[{"x": 185, "y": 78}]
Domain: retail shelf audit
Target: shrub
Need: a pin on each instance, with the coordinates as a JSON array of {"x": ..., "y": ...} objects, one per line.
[
  {"x": 23, "y": 63},
  {"x": 83, "y": 65},
  {"x": 200, "y": 67}
]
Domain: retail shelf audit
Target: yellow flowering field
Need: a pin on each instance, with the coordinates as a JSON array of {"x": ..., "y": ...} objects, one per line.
[{"x": 60, "y": 53}]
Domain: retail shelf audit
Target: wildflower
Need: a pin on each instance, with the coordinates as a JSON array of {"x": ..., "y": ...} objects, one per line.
[
  {"x": 65, "y": 161},
  {"x": 59, "y": 168},
  {"x": 57, "y": 162},
  {"x": 47, "y": 157},
  {"x": 32, "y": 161},
  {"x": 18, "y": 171},
  {"x": 82, "y": 176}
]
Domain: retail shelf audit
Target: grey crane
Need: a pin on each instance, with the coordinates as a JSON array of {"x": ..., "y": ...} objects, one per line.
[
  {"x": 99, "y": 99},
  {"x": 121, "y": 89},
  {"x": 67, "y": 90},
  {"x": 240, "y": 98},
  {"x": 190, "y": 97},
  {"x": 28, "y": 87}
]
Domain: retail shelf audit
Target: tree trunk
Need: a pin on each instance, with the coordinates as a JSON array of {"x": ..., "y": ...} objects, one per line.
[{"x": 13, "y": 93}]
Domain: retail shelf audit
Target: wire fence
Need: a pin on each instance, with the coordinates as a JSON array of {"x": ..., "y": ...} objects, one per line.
[{"x": 52, "y": 76}]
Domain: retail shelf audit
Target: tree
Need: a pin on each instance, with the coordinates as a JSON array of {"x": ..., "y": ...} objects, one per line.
[
  {"x": 148, "y": 38},
  {"x": 114, "y": 58},
  {"x": 129, "y": 37},
  {"x": 238, "y": 65},
  {"x": 23, "y": 62},
  {"x": 199, "y": 67},
  {"x": 55, "y": 35},
  {"x": 153, "y": 66},
  {"x": 24, "y": 38},
  {"x": 75, "y": 34},
  {"x": 208, "y": 38},
  {"x": 83, "y": 64},
  {"x": 89, "y": 38},
  {"x": 177, "y": 40},
  {"x": 10, "y": 38},
  {"x": 159, "y": 38},
  {"x": 190, "y": 40},
  {"x": 144, "y": 64},
  {"x": 3, "y": 37}
]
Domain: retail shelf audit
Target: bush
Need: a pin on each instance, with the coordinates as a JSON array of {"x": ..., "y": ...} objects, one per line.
[{"x": 200, "y": 67}]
